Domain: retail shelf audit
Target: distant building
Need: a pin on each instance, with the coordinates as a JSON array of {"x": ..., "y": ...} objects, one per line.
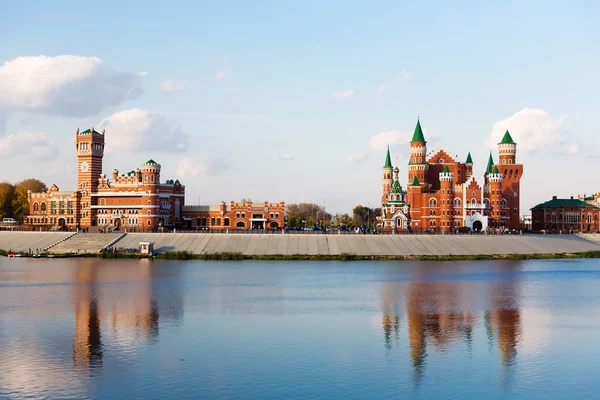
[
  {"x": 241, "y": 216},
  {"x": 135, "y": 200},
  {"x": 526, "y": 222},
  {"x": 591, "y": 199},
  {"x": 443, "y": 195},
  {"x": 565, "y": 215}
]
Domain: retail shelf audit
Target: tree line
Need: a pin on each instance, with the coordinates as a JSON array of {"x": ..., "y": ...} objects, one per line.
[
  {"x": 311, "y": 214},
  {"x": 13, "y": 197}
]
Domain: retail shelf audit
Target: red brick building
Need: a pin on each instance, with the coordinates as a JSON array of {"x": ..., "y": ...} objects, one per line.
[
  {"x": 443, "y": 194},
  {"x": 238, "y": 216},
  {"x": 134, "y": 200},
  {"x": 565, "y": 215}
]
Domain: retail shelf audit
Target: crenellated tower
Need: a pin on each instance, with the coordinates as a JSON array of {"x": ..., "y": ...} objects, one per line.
[
  {"x": 387, "y": 176},
  {"x": 495, "y": 196},
  {"x": 511, "y": 173},
  {"x": 150, "y": 175},
  {"x": 446, "y": 196},
  {"x": 417, "y": 164},
  {"x": 90, "y": 151}
]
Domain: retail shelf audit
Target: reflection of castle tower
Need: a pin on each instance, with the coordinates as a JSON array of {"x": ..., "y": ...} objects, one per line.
[
  {"x": 87, "y": 346},
  {"x": 390, "y": 321}
]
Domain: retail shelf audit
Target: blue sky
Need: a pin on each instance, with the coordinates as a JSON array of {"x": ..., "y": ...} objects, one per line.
[{"x": 296, "y": 100}]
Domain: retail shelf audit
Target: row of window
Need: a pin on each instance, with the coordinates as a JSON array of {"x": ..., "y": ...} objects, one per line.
[
  {"x": 40, "y": 208},
  {"x": 51, "y": 220},
  {"x": 151, "y": 178},
  {"x": 572, "y": 218},
  {"x": 457, "y": 202}
]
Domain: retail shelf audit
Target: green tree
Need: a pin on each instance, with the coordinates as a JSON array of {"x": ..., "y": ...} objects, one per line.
[
  {"x": 7, "y": 193},
  {"x": 312, "y": 213},
  {"x": 362, "y": 215},
  {"x": 20, "y": 202}
]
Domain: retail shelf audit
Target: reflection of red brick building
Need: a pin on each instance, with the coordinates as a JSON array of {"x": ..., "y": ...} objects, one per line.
[
  {"x": 565, "y": 215},
  {"x": 443, "y": 194},
  {"x": 134, "y": 200},
  {"x": 246, "y": 215}
]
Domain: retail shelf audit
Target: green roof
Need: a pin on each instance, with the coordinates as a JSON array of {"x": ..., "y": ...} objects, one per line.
[
  {"x": 388, "y": 160},
  {"x": 490, "y": 164},
  {"x": 507, "y": 139},
  {"x": 418, "y": 135},
  {"x": 396, "y": 185},
  {"x": 469, "y": 159},
  {"x": 415, "y": 182},
  {"x": 446, "y": 170},
  {"x": 151, "y": 162},
  {"x": 88, "y": 131},
  {"x": 495, "y": 171},
  {"x": 560, "y": 203}
]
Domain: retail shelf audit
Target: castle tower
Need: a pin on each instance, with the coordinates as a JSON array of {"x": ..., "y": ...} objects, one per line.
[
  {"x": 469, "y": 164},
  {"x": 446, "y": 196},
  {"x": 413, "y": 199},
  {"x": 150, "y": 178},
  {"x": 417, "y": 164},
  {"x": 387, "y": 177},
  {"x": 90, "y": 150},
  {"x": 507, "y": 150},
  {"x": 495, "y": 196}
]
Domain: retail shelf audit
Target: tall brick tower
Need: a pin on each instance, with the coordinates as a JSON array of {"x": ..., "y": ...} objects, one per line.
[
  {"x": 150, "y": 182},
  {"x": 90, "y": 150},
  {"x": 512, "y": 172},
  {"x": 495, "y": 196},
  {"x": 387, "y": 177},
  {"x": 417, "y": 164},
  {"x": 445, "y": 206},
  {"x": 469, "y": 164}
]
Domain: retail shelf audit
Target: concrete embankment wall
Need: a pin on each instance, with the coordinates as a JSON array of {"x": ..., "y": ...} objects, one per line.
[
  {"x": 291, "y": 244},
  {"x": 365, "y": 245}
]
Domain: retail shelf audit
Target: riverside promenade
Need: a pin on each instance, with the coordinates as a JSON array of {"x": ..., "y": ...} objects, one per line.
[{"x": 321, "y": 245}]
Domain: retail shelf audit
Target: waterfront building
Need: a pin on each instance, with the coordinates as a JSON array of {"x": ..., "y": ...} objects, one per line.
[
  {"x": 443, "y": 194},
  {"x": 593, "y": 199},
  {"x": 241, "y": 216},
  {"x": 135, "y": 200},
  {"x": 565, "y": 215}
]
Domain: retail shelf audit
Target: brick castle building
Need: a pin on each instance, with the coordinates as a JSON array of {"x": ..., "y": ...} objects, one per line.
[
  {"x": 443, "y": 195},
  {"x": 137, "y": 199},
  {"x": 566, "y": 215}
]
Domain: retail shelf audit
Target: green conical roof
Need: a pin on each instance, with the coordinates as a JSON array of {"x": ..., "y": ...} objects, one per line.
[
  {"x": 490, "y": 164},
  {"x": 446, "y": 169},
  {"x": 388, "y": 160},
  {"x": 396, "y": 185},
  {"x": 495, "y": 171},
  {"x": 151, "y": 162},
  {"x": 418, "y": 135},
  {"x": 469, "y": 159},
  {"x": 507, "y": 139},
  {"x": 415, "y": 181}
]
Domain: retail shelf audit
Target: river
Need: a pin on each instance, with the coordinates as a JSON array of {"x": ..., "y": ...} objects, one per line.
[{"x": 133, "y": 329}]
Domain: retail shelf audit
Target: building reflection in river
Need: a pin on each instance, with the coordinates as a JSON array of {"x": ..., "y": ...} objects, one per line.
[{"x": 439, "y": 312}]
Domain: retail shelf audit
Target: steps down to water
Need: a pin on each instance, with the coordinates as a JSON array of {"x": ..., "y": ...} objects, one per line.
[{"x": 85, "y": 243}]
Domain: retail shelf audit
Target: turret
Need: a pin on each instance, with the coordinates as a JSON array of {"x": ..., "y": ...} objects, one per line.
[
  {"x": 414, "y": 199},
  {"x": 446, "y": 196},
  {"x": 469, "y": 164},
  {"x": 417, "y": 164},
  {"x": 495, "y": 196},
  {"x": 387, "y": 177},
  {"x": 507, "y": 150}
]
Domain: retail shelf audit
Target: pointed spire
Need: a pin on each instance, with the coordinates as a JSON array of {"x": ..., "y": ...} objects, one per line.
[
  {"x": 446, "y": 170},
  {"x": 469, "y": 159},
  {"x": 415, "y": 181},
  {"x": 418, "y": 135},
  {"x": 507, "y": 139},
  {"x": 495, "y": 171},
  {"x": 490, "y": 164},
  {"x": 388, "y": 160}
]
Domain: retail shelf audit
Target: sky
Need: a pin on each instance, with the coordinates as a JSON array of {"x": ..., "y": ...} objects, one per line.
[{"x": 297, "y": 101}]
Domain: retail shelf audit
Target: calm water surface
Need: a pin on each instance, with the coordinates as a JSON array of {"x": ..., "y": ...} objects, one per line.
[{"x": 299, "y": 330}]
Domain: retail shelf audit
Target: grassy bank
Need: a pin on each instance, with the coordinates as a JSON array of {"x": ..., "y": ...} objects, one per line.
[{"x": 226, "y": 256}]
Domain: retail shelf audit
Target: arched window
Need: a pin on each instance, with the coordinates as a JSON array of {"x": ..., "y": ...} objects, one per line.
[
  {"x": 432, "y": 202},
  {"x": 145, "y": 178},
  {"x": 102, "y": 202},
  {"x": 276, "y": 215},
  {"x": 148, "y": 222},
  {"x": 35, "y": 208},
  {"x": 457, "y": 202},
  {"x": 237, "y": 215},
  {"x": 240, "y": 224},
  {"x": 149, "y": 212},
  {"x": 151, "y": 178},
  {"x": 43, "y": 208},
  {"x": 149, "y": 202},
  {"x": 243, "y": 215},
  {"x": 511, "y": 173},
  {"x": 486, "y": 202},
  {"x": 504, "y": 203},
  {"x": 473, "y": 201}
]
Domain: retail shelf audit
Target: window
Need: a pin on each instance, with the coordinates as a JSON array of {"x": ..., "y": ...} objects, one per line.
[
  {"x": 148, "y": 212},
  {"x": 69, "y": 207},
  {"x": 102, "y": 202},
  {"x": 441, "y": 161},
  {"x": 237, "y": 215},
  {"x": 473, "y": 193},
  {"x": 276, "y": 215},
  {"x": 149, "y": 202},
  {"x": 35, "y": 208},
  {"x": 61, "y": 207},
  {"x": 152, "y": 178},
  {"x": 503, "y": 161},
  {"x": 432, "y": 202},
  {"x": 515, "y": 211},
  {"x": 43, "y": 208},
  {"x": 486, "y": 202},
  {"x": 271, "y": 215},
  {"x": 53, "y": 207},
  {"x": 243, "y": 215},
  {"x": 226, "y": 221},
  {"x": 420, "y": 159},
  {"x": 473, "y": 201},
  {"x": 212, "y": 221},
  {"x": 218, "y": 221},
  {"x": 148, "y": 222},
  {"x": 145, "y": 178}
]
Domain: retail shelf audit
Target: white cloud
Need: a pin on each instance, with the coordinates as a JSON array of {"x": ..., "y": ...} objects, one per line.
[
  {"x": 534, "y": 130},
  {"x": 220, "y": 75},
  {"x": 346, "y": 94},
  {"x": 383, "y": 139},
  {"x": 135, "y": 129},
  {"x": 171, "y": 86},
  {"x": 357, "y": 158},
  {"x": 287, "y": 157},
  {"x": 34, "y": 145},
  {"x": 404, "y": 76},
  {"x": 65, "y": 85},
  {"x": 142, "y": 74},
  {"x": 381, "y": 88},
  {"x": 191, "y": 167}
]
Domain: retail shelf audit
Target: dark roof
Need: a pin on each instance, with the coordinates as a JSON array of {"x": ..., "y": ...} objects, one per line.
[
  {"x": 560, "y": 203},
  {"x": 507, "y": 139},
  {"x": 418, "y": 135},
  {"x": 388, "y": 161},
  {"x": 469, "y": 159}
]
